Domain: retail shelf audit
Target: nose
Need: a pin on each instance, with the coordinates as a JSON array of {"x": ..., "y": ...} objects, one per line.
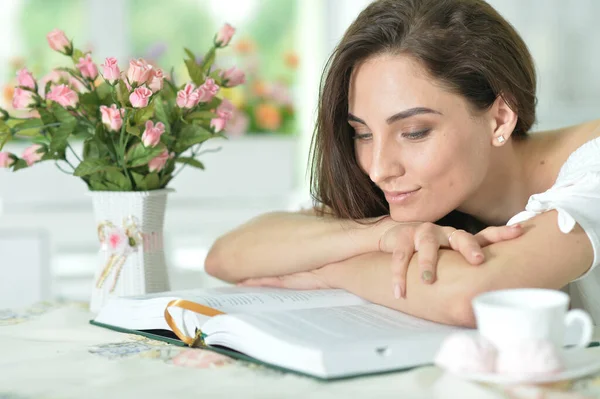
[{"x": 385, "y": 161}]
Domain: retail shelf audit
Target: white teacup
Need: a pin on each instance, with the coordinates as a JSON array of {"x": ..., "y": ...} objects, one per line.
[{"x": 505, "y": 317}]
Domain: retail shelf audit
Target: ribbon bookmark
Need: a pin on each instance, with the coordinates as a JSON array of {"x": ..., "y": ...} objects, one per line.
[{"x": 192, "y": 307}]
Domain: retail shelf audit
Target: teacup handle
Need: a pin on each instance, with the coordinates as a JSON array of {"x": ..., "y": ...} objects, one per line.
[{"x": 587, "y": 326}]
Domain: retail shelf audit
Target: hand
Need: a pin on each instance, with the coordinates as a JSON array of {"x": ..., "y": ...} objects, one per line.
[
  {"x": 312, "y": 280},
  {"x": 403, "y": 240}
]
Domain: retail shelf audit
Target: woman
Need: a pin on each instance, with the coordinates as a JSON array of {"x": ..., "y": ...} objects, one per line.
[{"x": 424, "y": 116}]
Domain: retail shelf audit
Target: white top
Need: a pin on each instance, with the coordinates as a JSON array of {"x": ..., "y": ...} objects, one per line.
[{"x": 576, "y": 197}]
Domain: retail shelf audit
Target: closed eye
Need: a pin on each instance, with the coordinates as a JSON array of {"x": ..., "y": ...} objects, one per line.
[
  {"x": 362, "y": 136},
  {"x": 416, "y": 135}
]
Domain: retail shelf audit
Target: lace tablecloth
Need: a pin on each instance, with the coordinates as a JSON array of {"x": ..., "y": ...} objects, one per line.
[{"x": 50, "y": 351}]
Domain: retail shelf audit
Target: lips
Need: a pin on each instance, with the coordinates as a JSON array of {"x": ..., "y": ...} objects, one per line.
[{"x": 395, "y": 197}]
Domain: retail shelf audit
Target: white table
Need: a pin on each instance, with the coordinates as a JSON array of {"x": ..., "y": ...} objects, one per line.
[{"x": 50, "y": 351}]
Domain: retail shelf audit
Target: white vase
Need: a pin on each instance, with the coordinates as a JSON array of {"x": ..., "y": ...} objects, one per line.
[{"x": 131, "y": 260}]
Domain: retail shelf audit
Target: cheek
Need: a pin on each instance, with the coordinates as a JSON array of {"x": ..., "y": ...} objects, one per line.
[{"x": 363, "y": 157}]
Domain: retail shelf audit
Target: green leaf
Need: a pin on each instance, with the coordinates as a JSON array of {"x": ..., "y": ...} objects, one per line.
[
  {"x": 134, "y": 130},
  {"x": 162, "y": 114},
  {"x": 104, "y": 93},
  {"x": 190, "y": 54},
  {"x": 46, "y": 116},
  {"x": 19, "y": 164},
  {"x": 31, "y": 123},
  {"x": 39, "y": 140},
  {"x": 141, "y": 115},
  {"x": 82, "y": 130},
  {"x": 4, "y": 138},
  {"x": 47, "y": 87},
  {"x": 207, "y": 115},
  {"x": 123, "y": 93},
  {"x": 152, "y": 181},
  {"x": 138, "y": 179},
  {"x": 208, "y": 61},
  {"x": 60, "y": 135},
  {"x": 61, "y": 114},
  {"x": 139, "y": 155},
  {"x": 191, "y": 135},
  {"x": 195, "y": 72},
  {"x": 91, "y": 166},
  {"x": 98, "y": 185},
  {"x": 165, "y": 180},
  {"x": 190, "y": 161},
  {"x": 77, "y": 54},
  {"x": 212, "y": 104},
  {"x": 117, "y": 181},
  {"x": 89, "y": 103}
]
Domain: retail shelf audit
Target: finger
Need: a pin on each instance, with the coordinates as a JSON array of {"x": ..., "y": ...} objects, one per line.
[
  {"x": 400, "y": 261},
  {"x": 468, "y": 246},
  {"x": 427, "y": 244},
  {"x": 495, "y": 234}
]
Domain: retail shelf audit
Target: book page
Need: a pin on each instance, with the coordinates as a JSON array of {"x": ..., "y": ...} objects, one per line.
[
  {"x": 340, "y": 341},
  {"x": 264, "y": 299},
  {"x": 329, "y": 325},
  {"x": 147, "y": 311}
]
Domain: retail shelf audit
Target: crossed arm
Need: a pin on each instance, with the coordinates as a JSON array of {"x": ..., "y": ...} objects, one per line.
[{"x": 541, "y": 257}]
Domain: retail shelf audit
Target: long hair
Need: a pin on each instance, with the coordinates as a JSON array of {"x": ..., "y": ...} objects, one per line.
[{"x": 465, "y": 45}]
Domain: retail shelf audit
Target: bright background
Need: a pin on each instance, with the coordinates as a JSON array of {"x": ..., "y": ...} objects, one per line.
[{"x": 46, "y": 221}]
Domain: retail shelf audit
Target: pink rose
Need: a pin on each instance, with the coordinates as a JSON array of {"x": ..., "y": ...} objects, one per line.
[
  {"x": 32, "y": 154},
  {"x": 188, "y": 97},
  {"x": 155, "y": 81},
  {"x": 140, "y": 97},
  {"x": 151, "y": 136},
  {"x": 224, "y": 35},
  {"x": 25, "y": 79},
  {"x": 110, "y": 70},
  {"x": 233, "y": 77},
  {"x": 88, "y": 69},
  {"x": 218, "y": 124},
  {"x": 225, "y": 109},
  {"x": 207, "y": 91},
  {"x": 159, "y": 162},
  {"x": 6, "y": 159},
  {"x": 112, "y": 117},
  {"x": 138, "y": 72},
  {"x": 23, "y": 99},
  {"x": 63, "y": 95},
  {"x": 210, "y": 87},
  {"x": 58, "y": 41}
]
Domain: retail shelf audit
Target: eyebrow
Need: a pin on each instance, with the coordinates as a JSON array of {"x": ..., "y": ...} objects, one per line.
[{"x": 400, "y": 115}]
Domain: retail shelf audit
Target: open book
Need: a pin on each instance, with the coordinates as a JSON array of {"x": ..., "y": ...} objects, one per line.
[{"x": 322, "y": 333}]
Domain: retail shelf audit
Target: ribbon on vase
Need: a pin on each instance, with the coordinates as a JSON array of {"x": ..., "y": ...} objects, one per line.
[{"x": 119, "y": 242}]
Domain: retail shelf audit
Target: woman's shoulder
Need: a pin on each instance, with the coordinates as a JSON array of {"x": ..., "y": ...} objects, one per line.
[{"x": 585, "y": 154}]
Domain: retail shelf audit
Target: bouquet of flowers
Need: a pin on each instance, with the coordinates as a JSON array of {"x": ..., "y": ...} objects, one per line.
[{"x": 136, "y": 125}]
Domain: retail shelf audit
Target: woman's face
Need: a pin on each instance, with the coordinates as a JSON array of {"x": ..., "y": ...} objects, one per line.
[{"x": 421, "y": 145}]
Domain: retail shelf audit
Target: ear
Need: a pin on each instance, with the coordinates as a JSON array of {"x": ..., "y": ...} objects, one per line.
[{"x": 504, "y": 120}]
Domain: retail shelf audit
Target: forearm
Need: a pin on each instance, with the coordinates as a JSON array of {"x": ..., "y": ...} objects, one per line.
[
  {"x": 525, "y": 262},
  {"x": 283, "y": 243},
  {"x": 446, "y": 301}
]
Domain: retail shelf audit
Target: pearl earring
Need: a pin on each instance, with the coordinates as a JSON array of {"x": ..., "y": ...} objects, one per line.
[{"x": 501, "y": 139}]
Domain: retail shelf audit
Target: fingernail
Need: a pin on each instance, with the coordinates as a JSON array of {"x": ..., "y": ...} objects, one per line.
[
  {"x": 478, "y": 255},
  {"x": 397, "y": 291},
  {"x": 427, "y": 276},
  {"x": 515, "y": 226}
]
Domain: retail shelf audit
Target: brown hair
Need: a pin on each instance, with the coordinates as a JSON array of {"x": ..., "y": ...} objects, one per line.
[{"x": 464, "y": 44}]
